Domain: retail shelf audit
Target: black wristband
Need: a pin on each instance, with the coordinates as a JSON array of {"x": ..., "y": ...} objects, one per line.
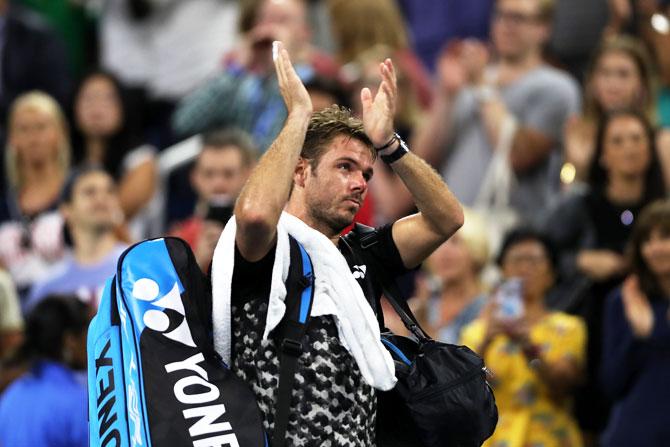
[
  {"x": 394, "y": 137},
  {"x": 396, "y": 154}
]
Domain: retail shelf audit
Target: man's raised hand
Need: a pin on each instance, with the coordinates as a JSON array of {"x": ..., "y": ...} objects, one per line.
[
  {"x": 379, "y": 112},
  {"x": 293, "y": 91}
]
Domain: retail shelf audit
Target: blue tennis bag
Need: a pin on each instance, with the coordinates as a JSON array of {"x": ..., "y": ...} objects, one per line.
[{"x": 154, "y": 378}]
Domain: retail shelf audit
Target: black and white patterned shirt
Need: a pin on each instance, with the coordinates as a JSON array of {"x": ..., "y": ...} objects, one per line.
[{"x": 331, "y": 404}]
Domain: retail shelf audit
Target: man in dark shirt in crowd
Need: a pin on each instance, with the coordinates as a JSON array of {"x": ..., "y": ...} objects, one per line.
[{"x": 318, "y": 170}]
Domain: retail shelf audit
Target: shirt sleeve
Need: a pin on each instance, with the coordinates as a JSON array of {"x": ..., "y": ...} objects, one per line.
[
  {"x": 566, "y": 339},
  {"x": 619, "y": 361},
  {"x": 137, "y": 156},
  {"x": 472, "y": 335},
  {"x": 550, "y": 106},
  {"x": 386, "y": 251},
  {"x": 251, "y": 279},
  {"x": 206, "y": 107}
]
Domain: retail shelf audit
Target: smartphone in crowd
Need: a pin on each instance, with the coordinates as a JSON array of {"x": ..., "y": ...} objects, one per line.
[
  {"x": 509, "y": 298},
  {"x": 219, "y": 211}
]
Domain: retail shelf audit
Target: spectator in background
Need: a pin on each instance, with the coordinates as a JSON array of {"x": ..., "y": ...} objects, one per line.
[
  {"x": 619, "y": 77},
  {"x": 73, "y": 21},
  {"x": 162, "y": 50},
  {"x": 245, "y": 94},
  {"x": 431, "y": 24},
  {"x": 516, "y": 105},
  {"x": 91, "y": 209},
  {"x": 11, "y": 320},
  {"x": 47, "y": 405},
  {"x": 355, "y": 34},
  {"x": 592, "y": 227},
  {"x": 454, "y": 271},
  {"x": 636, "y": 338},
  {"x": 33, "y": 58},
  {"x": 326, "y": 91},
  {"x": 38, "y": 160},
  {"x": 537, "y": 357},
  {"x": 577, "y": 29},
  {"x": 653, "y": 22},
  {"x": 220, "y": 170},
  {"x": 104, "y": 136}
]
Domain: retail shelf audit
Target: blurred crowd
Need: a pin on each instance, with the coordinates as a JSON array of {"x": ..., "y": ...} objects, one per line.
[{"x": 549, "y": 120}]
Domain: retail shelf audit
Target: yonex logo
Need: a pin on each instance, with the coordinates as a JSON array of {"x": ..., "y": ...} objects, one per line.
[
  {"x": 359, "y": 271},
  {"x": 164, "y": 320}
]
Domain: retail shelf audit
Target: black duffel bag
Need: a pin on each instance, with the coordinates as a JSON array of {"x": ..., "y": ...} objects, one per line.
[
  {"x": 442, "y": 392},
  {"x": 442, "y": 398}
]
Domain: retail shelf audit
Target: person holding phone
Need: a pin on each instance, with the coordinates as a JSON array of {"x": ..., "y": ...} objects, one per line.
[
  {"x": 536, "y": 355},
  {"x": 218, "y": 174}
]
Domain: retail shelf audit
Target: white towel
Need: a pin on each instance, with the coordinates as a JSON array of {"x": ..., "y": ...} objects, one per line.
[{"x": 336, "y": 293}]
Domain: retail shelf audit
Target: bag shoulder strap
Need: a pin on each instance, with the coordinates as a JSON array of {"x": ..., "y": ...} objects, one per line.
[
  {"x": 368, "y": 237},
  {"x": 348, "y": 242},
  {"x": 291, "y": 331}
]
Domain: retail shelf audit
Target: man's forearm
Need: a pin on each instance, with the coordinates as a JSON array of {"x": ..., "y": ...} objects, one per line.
[
  {"x": 431, "y": 195},
  {"x": 418, "y": 235},
  {"x": 266, "y": 192}
]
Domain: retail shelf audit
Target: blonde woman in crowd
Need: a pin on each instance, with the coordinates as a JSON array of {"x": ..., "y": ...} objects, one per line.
[
  {"x": 355, "y": 33},
  {"x": 451, "y": 291},
  {"x": 37, "y": 164}
]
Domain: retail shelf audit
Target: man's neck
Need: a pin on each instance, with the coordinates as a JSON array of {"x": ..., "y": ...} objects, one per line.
[
  {"x": 201, "y": 207},
  {"x": 625, "y": 190},
  {"x": 302, "y": 214},
  {"x": 95, "y": 150},
  {"x": 462, "y": 290},
  {"x": 511, "y": 69},
  {"x": 92, "y": 247},
  {"x": 534, "y": 309},
  {"x": 42, "y": 174}
]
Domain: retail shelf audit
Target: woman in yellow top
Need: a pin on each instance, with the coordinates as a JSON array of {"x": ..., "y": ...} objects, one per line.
[{"x": 536, "y": 355}]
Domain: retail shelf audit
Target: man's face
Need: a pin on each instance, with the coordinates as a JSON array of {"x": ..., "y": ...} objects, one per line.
[
  {"x": 284, "y": 20},
  {"x": 94, "y": 204},
  {"x": 219, "y": 172},
  {"x": 335, "y": 190},
  {"x": 517, "y": 29}
]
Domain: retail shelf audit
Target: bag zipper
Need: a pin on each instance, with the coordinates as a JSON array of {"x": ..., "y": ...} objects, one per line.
[{"x": 446, "y": 387}]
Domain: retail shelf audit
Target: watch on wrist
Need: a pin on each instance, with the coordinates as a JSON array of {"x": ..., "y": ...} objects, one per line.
[{"x": 390, "y": 155}]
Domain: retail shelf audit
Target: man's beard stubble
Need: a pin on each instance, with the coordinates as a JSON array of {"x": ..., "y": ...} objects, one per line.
[{"x": 335, "y": 223}]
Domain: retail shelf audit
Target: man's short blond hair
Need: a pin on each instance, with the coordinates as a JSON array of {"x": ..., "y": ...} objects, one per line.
[{"x": 325, "y": 125}]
